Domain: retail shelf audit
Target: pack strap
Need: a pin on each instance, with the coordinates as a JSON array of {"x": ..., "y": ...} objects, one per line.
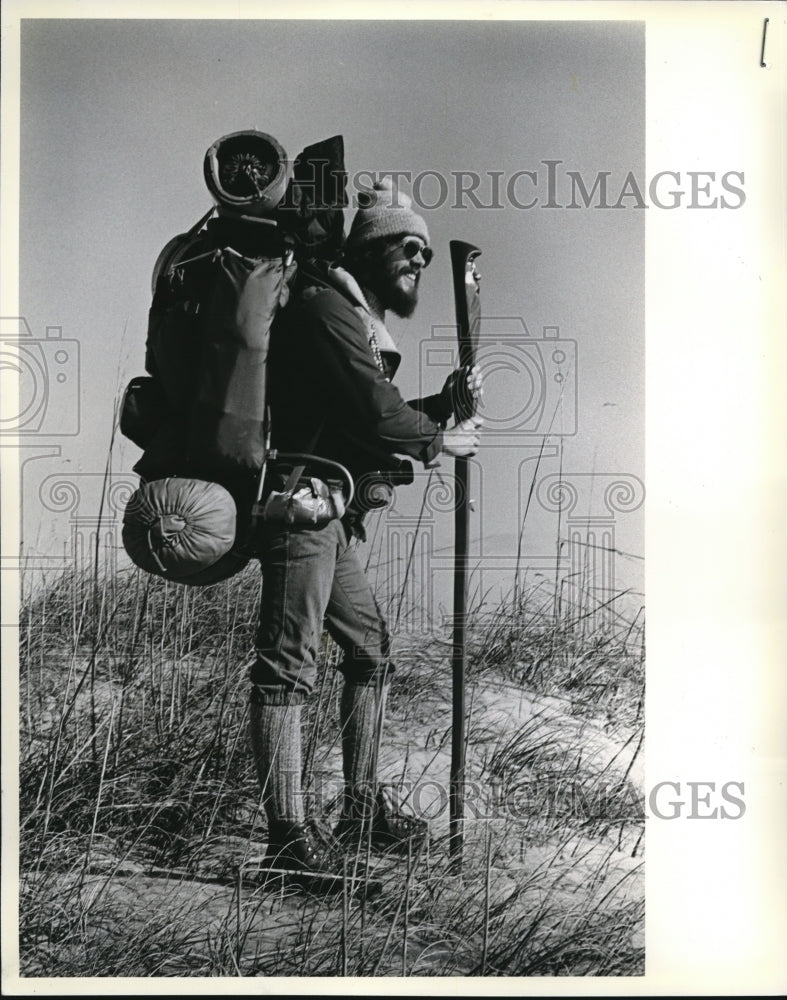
[
  {"x": 271, "y": 455},
  {"x": 198, "y": 225}
]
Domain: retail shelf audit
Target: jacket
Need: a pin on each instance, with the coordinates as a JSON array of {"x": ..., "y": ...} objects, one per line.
[{"x": 327, "y": 394}]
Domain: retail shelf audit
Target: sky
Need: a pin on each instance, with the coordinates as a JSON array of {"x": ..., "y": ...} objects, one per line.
[{"x": 117, "y": 115}]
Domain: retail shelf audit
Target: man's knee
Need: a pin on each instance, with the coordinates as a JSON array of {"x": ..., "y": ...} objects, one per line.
[{"x": 277, "y": 680}]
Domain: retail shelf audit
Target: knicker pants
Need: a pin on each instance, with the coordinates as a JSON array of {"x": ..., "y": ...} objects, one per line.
[{"x": 312, "y": 576}]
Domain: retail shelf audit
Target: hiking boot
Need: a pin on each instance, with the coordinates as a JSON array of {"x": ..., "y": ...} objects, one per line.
[
  {"x": 308, "y": 856},
  {"x": 302, "y": 847},
  {"x": 387, "y": 830}
]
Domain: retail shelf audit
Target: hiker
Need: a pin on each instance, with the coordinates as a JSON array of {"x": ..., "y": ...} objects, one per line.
[{"x": 331, "y": 361}]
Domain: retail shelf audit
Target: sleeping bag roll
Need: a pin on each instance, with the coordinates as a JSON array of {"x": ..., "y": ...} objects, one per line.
[
  {"x": 183, "y": 530},
  {"x": 247, "y": 172}
]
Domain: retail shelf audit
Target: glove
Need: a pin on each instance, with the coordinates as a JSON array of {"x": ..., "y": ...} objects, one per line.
[{"x": 462, "y": 392}]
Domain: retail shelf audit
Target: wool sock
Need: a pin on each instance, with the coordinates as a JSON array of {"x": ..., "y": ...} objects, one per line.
[
  {"x": 362, "y": 711},
  {"x": 275, "y": 732}
]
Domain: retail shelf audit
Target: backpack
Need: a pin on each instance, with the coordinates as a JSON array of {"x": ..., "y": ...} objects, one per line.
[{"x": 200, "y": 415}]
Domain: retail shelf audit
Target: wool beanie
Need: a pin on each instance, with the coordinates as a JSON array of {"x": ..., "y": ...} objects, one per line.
[{"x": 384, "y": 211}]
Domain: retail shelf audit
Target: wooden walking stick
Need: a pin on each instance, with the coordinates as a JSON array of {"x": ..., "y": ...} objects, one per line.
[{"x": 468, "y": 319}]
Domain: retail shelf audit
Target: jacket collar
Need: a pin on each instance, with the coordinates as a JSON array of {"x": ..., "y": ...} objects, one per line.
[{"x": 345, "y": 283}]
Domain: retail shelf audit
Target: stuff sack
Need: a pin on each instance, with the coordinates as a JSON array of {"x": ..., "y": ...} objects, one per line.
[{"x": 183, "y": 530}]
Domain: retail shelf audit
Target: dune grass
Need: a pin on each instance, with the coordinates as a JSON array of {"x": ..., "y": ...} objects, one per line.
[{"x": 139, "y": 802}]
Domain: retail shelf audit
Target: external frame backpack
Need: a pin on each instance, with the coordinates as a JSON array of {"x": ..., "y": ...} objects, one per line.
[{"x": 200, "y": 415}]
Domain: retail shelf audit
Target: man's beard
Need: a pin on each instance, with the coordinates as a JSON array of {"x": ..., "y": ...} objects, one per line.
[
  {"x": 394, "y": 294},
  {"x": 402, "y": 301}
]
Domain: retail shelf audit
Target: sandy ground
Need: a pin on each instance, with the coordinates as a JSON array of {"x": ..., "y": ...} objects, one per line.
[{"x": 517, "y": 740}]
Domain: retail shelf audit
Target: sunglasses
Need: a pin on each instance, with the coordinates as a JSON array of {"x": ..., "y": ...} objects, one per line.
[{"x": 412, "y": 246}]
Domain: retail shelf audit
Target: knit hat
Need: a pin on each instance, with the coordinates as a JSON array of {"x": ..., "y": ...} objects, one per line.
[{"x": 384, "y": 211}]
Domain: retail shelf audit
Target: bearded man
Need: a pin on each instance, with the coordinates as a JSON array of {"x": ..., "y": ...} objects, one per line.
[{"x": 331, "y": 364}]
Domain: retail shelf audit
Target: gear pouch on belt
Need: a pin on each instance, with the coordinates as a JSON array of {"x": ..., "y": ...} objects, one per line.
[{"x": 308, "y": 501}]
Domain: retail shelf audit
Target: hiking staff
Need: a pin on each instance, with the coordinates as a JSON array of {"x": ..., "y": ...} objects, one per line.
[{"x": 468, "y": 320}]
